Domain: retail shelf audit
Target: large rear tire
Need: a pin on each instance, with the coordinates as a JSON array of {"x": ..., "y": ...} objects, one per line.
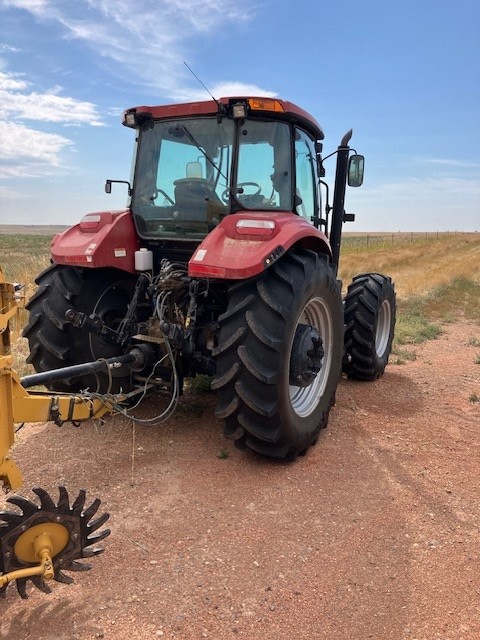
[
  {"x": 279, "y": 355},
  {"x": 370, "y": 311},
  {"x": 55, "y": 343}
]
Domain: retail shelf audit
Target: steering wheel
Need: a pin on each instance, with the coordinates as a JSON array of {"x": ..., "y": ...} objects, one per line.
[
  {"x": 240, "y": 185},
  {"x": 198, "y": 187},
  {"x": 157, "y": 191}
]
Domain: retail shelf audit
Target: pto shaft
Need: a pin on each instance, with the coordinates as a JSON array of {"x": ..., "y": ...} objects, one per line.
[{"x": 79, "y": 370}]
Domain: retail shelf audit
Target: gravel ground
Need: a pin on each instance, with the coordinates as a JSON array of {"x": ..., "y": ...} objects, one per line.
[{"x": 373, "y": 534}]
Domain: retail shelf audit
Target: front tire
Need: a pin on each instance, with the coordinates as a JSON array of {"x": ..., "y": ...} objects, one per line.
[
  {"x": 55, "y": 343},
  {"x": 370, "y": 311},
  {"x": 279, "y": 355}
]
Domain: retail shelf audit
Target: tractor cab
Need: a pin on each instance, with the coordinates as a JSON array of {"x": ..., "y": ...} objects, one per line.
[{"x": 199, "y": 162}]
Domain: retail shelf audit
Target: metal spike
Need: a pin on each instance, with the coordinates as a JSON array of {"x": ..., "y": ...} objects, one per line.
[
  {"x": 22, "y": 588},
  {"x": 11, "y": 518},
  {"x": 92, "y": 509},
  {"x": 89, "y": 553},
  {"x": 78, "y": 566},
  {"x": 61, "y": 577},
  {"x": 28, "y": 508},
  {"x": 79, "y": 503},
  {"x": 96, "y": 524},
  {"x": 63, "y": 501},
  {"x": 97, "y": 537},
  {"x": 40, "y": 583},
  {"x": 46, "y": 502}
]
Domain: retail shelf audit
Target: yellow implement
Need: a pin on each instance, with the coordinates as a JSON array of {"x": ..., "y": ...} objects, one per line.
[
  {"x": 42, "y": 540},
  {"x": 9, "y": 303}
]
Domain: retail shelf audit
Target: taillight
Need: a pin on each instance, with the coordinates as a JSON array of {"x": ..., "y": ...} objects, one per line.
[{"x": 205, "y": 270}]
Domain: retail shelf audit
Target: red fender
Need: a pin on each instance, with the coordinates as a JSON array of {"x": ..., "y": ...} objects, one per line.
[
  {"x": 245, "y": 244},
  {"x": 105, "y": 239}
]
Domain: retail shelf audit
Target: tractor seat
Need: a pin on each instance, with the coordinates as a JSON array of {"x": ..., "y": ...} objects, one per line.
[{"x": 192, "y": 196}]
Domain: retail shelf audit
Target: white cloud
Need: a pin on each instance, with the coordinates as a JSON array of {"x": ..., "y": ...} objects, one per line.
[
  {"x": 10, "y": 82},
  {"x": 16, "y": 101},
  {"x": 240, "y": 89},
  {"x": 7, "y": 48},
  {"x": 48, "y": 108},
  {"x": 19, "y": 141},
  {"x": 203, "y": 15},
  {"x": 449, "y": 162},
  {"x": 149, "y": 42},
  {"x": 222, "y": 90},
  {"x": 35, "y": 6},
  {"x": 25, "y": 151}
]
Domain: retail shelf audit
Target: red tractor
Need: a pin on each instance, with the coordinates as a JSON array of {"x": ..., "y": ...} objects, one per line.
[{"x": 224, "y": 263}]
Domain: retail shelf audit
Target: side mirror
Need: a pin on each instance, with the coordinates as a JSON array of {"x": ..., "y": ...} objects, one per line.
[{"x": 356, "y": 166}]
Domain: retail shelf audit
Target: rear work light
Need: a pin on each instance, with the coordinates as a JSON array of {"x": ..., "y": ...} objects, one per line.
[
  {"x": 239, "y": 110},
  {"x": 129, "y": 119},
  {"x": 255, "y": 227}
]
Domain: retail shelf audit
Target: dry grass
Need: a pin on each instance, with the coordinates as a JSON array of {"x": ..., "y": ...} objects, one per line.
[
  {"x": 417, "y": 265},
  {"x": 22, "y": 259}
]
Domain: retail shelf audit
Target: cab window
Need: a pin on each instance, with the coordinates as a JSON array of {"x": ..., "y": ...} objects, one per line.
[
  {"x": 305, "y": 202},
  {"x": 264, "y": 173}
]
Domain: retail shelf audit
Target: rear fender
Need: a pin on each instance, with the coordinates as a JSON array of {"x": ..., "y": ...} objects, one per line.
[
  {"x": 105, "y": 239},
  {"x": 245, "y": 244}
]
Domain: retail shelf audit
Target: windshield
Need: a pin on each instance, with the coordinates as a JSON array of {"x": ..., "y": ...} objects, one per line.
[{"x": 190, "y": 173}]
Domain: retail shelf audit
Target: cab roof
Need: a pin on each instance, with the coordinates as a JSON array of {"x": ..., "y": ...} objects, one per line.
[{"x": 273, "y": 108}]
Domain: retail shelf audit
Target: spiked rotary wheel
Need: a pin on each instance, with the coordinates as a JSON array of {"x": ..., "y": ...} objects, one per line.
[{"x": 70, "y": 532}]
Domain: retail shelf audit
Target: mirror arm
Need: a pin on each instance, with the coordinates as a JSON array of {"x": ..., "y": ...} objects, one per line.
[{"x": 108, "y": 185}]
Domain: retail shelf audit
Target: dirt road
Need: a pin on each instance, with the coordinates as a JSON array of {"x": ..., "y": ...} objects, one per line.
[{"x": 373, "y": 534}]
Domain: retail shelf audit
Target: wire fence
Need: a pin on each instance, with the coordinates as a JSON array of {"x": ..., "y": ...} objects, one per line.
[{"x": 399, "y": 237}]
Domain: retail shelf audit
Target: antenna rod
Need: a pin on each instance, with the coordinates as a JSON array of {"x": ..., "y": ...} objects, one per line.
[{"x": 203, "y": 85}]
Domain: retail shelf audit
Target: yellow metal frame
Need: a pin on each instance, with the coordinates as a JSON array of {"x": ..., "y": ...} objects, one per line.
[
  {"x": 17, "y": 405},
  {"x": 9, "y": 304}
]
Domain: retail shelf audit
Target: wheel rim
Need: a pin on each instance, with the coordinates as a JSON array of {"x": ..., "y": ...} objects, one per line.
[
  {"x": 382, "y": 335},
  {"x": 304, "y": 400}
]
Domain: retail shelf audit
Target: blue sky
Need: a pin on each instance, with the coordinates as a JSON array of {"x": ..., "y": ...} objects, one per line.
[{"x": 405, "y": 76}]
